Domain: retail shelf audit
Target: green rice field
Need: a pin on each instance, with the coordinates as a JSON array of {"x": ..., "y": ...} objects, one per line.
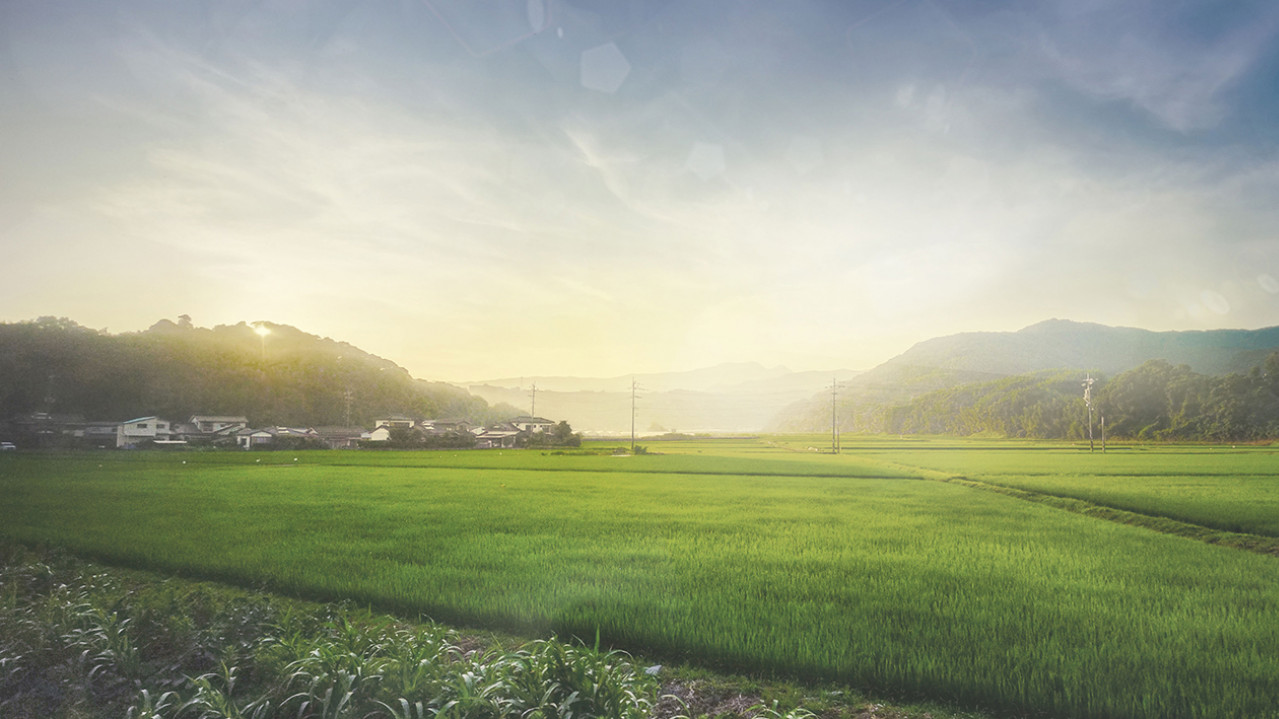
[{"x": 758, "y": 555}]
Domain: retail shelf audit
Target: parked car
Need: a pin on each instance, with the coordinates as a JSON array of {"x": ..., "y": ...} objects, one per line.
[{"x": 7, "y": 446}]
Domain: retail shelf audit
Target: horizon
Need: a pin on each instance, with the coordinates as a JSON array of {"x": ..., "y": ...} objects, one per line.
[
  {"x": 540, "y": 188},
  {"x": 467, "y": 382}
]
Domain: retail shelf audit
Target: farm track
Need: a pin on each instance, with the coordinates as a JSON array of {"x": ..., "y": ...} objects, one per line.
[{"x": 1256, "y": 543}]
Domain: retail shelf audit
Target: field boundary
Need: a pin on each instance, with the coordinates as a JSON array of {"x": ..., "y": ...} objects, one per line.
[
  {"x": 1256, "y": 543},
  {"x": 588, "y": 470}
]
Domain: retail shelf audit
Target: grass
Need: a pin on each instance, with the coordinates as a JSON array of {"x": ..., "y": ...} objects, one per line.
[
  {"x": 1235, "y": 489},
  {"x": 764, "y": 560}
]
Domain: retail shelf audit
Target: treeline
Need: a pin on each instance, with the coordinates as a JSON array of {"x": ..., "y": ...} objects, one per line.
[
  {"x": 1156, "y": 401},
  {"x": 175, "y": 370}
]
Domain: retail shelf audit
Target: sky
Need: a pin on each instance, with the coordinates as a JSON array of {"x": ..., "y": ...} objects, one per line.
[{"x": 499, "y": 188}]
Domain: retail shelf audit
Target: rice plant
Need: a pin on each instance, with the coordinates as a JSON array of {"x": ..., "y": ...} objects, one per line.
[{"x": 843, "y": 568}]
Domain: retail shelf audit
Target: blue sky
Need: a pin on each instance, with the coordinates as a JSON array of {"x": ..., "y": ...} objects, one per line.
[{"x": 504, "y": 188}]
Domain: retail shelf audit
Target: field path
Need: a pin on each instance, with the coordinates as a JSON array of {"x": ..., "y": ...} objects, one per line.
[{"x": 1249, "y": 542}]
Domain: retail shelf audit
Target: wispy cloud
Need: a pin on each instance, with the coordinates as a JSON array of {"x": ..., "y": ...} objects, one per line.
[
  {"x": 777, "y": 187},
  {"x": 1154, "y": 56}
]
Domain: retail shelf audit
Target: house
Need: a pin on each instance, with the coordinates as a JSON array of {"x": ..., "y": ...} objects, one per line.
[
  {"x": 497, "y": 437},
  {"x": 446, "y": 426},
  {"x": 129, "y": 435},
  {"x": 250, "y": 438},
  {"x": 221, "y": 425},
  {"x": 531, "y": 424},
  {"x": 381, "y": 434},
  {"x": 340, "y": 437},
  {"x": 97, "y": 434},
  {"x": 395, "y": 421}
]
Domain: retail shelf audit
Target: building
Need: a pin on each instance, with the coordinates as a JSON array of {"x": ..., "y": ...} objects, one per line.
[
  {"x": 531, "y": 424},
  {"x": 131, "y": 434},
  {"x": 340, "y": 437},
  {"x": 502, "y": 436},
  {"x": 395, "y": 421},
  {"x": 250, "y": 438},
  {"x": 221, "y": 425},
  {"x": 445, "y": 426}
]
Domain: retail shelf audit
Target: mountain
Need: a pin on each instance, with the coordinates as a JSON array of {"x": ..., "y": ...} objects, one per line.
[
  {"x": 1054, "y": 344},
  {"x": 956, "y": 360},
  {"x": 174, "y": 370},
  {"x": 733, "y": 397}
]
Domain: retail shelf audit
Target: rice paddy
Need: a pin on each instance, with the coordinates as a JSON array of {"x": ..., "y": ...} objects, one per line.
[{"x": 742, "y": 555}]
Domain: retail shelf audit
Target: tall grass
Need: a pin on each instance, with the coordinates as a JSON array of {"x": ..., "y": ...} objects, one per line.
[{"x": 916, "y": 587}]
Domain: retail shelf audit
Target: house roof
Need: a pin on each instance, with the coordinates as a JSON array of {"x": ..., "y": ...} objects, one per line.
[
  {"x": 334, "y": 431},
  {"x": 250, "y": 432},
  {"x": 139, "y": 419},
  {"x": 294, "y": 431},
  {"x": 530, "y": 420},
  {"x": 497, "y": 433},
  {"x": 216, "y": 418}
]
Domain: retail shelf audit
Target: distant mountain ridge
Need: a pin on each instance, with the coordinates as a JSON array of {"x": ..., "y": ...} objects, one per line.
[
  {"x": 954, "y": 360},
  {"x": 731, "y": 397},
  {"x": 1055, "y": 344},
  {"x": 720, "y": 377}
]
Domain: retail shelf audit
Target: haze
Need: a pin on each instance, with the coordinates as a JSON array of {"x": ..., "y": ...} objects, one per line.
[{"x": 483, "y": 189}]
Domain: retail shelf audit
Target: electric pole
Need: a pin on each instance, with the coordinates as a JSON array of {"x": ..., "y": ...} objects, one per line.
[
  {"x": 834, "y": 422},
  {"x": 634, "y": 389},
  {"x": 1088, "y": 382}
]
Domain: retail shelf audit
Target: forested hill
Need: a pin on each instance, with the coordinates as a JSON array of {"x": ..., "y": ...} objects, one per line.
[
  {"x": 947, "y": 363},
  {"x": 175, "y": 370},
  {"x": 1056, "y": 344},
  {"x": 1155, "y": 401}
]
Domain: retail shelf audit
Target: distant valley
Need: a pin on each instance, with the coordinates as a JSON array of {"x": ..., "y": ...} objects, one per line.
[{"x": 735, "y": 397}]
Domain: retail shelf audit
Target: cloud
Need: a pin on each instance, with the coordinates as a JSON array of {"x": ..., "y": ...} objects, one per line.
[
  {"x": 843, "y": 192},
  {"x": 1148, "y": 56}
]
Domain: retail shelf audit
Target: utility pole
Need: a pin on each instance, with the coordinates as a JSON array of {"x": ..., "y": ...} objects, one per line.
[
  {"x": 634, "y": 389},
  {"x": 834, "y": 424},
  {"x": 1088, "y": 382}
]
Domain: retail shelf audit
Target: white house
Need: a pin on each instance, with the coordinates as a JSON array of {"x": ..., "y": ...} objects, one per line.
[
  {"x": 143, "y": 429},
  {"x": 381, "y": 434},
  {"x": 532, "y": 424}
]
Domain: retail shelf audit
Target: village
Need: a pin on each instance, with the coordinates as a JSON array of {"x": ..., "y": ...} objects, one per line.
[{"x": 42, "y": 429}]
